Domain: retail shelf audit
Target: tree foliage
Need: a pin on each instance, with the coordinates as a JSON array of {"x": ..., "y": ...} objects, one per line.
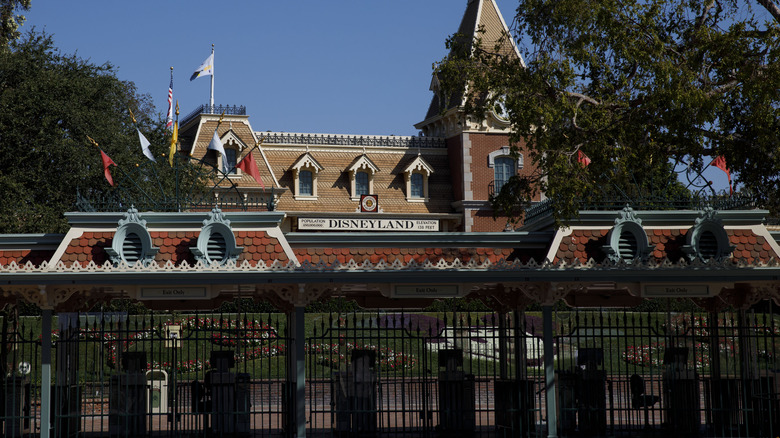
[
  {"x": 640, "y": 87},
  {"x": 49, "y": 104},
  {"x": 10, "y": 20}
]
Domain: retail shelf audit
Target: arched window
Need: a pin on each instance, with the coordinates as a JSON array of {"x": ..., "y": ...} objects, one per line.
[
  {"x": 305, "y": 183},
  {"x": 504, "y": 168},
  {"x": 361, "y": 184}
]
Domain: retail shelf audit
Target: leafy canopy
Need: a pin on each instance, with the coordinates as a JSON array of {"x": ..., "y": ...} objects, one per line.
[
  {"x": 639, "y": 87},
  {"x": 10, "y": 20},
  {"x": 49, "y": 103}
]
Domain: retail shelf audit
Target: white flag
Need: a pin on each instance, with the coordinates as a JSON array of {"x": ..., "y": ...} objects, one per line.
[
  {"x": 216, "y": 145},
  {"x": 145, "y": 146},
  {"x": 205, "y": 69}
]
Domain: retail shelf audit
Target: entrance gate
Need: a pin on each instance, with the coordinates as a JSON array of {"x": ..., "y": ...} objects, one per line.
[
  {"x": 422, "y": 374},
  {"x": 654, "y": 372}
]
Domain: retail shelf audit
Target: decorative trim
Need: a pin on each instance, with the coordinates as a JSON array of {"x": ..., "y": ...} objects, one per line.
[
  {"x": 503, "y": 151},
  {"x": 304, "y": 294},
  {"x": 627, "y": 222},
  {"x": 708, "y": 220},
  {"x": 132, "y": 224},
  {"x": 45, "y": 297},
  {"x": 216, "y": 224}
]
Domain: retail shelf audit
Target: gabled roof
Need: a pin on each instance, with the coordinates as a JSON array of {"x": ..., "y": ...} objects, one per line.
[
  {"x": 362, "y": 162},
  {"x": 306, "y": 160},
  {"x": 482, "y": 23},
  {"x": 419, "y": 164},
  {"x": 230, "y": 137}
]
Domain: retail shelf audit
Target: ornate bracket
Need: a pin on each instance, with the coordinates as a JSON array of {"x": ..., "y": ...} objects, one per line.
[
  {"x": 742, "y": 296},
  {"x": 45, "y": 297},
  {"x": 288, "y": 296}
]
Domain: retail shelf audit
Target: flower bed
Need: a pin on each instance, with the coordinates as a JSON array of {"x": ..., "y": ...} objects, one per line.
[{"x": 336, "y": 355}]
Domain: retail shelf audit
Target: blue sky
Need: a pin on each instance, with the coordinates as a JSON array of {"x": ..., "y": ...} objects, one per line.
[{"x": 339, "y": 66}]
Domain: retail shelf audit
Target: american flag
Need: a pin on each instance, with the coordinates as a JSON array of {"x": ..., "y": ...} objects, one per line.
[{"x": 169, "y": 122}]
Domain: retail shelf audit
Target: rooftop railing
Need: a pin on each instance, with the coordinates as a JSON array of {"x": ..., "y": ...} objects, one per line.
[{"x": 214, "y": 109}]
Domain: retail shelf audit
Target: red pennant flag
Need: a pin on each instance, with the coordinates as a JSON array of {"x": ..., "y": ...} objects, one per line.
[
  {"x": 720, "y": 163},
  {"x": 583, "y": 159},
  {"x": 248, "y": 165},
  {"x": 107, "y": 162}
]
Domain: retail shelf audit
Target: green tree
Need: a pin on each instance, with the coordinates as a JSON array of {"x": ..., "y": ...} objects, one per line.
[
  {"x": 636, "y": 86},
  {"x": 10, "y": 20},
  {"x": 49, "y": 104}
]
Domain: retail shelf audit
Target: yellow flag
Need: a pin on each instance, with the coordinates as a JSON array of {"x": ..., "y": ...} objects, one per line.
[{"x": 174, "y": 139}]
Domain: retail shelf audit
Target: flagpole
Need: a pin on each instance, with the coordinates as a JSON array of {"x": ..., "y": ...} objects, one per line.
[{"x": 211, "y": 97}]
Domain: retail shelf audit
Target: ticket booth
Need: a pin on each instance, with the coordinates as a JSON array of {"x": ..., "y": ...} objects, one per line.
[
  {"x": 681, "y": 392},
  {"x": 355, "y": 394},
  {"x": 457, "y": 412},
  {"x": 591, "y": 392},
  {"x": 127, "y": 402},
  {"x": 220, "y": 384},
  {"x": 16, "y": 404}
]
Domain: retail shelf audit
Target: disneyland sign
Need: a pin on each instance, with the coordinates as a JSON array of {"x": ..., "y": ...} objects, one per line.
[{"x": 363, "y": 224}]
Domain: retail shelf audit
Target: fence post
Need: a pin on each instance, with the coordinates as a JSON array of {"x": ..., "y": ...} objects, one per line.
[
  {"x": 46, "y": 373},
  {"x": 549, "y": 372},
  {"x": 297, "y": 371}
]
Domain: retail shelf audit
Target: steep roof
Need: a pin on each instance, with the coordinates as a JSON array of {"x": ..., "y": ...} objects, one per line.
[{"x": 482, "y": 27}]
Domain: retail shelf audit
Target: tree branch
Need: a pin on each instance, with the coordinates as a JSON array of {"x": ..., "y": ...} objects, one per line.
[{"x": 771, "y": 7}]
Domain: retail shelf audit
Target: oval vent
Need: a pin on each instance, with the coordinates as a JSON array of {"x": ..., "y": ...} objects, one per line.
[
  {"x": 132, "y": 248},
  {"x": 216, "y": 247},
  {"x": 708, "y": 245},
  {"x": 627, "y": 246}
]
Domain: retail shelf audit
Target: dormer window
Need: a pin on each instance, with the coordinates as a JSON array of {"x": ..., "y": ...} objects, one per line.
[
  {"x": 416, "y": 186},
  {"x": 305, "y": 171},
  {"x": 361, "y": 177},
  {"x": 230, "y": 160},
  {"x": 361, "y": 184},
  {"x": 132, "y": 242},
  {"x": 416, "y": 175},
  {"x": 233, "y": 147},
  {"x": 305, "y": 183}
]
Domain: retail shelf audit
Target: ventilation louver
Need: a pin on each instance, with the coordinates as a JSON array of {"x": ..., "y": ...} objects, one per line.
[
  {"x": 216, "y": 248},
  {"x": 627, "y": 246},
  {"x": 132, "y": 248}
]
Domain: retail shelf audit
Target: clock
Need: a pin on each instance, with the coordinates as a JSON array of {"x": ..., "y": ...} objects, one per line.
[
  {"x": 368, "y": 203},
  {"x": 500, "y": 111}
]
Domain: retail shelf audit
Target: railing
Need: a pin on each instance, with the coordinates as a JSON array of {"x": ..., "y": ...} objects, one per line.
[
  {"x": 353, "y": 140},
  {"x": 665, "y": 369},
  {"x": 214, "y": 109},
  {"x": 545, "y": 207}
]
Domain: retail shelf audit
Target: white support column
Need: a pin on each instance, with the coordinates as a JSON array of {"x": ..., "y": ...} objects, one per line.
[
  {"x": 549, "y": 372},
  {"x": 46, "y": 373},
  {"x": 297, "y": 371}
]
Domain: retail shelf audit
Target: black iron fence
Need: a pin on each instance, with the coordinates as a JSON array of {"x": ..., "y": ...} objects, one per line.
[{"x": 398, "y": 373}]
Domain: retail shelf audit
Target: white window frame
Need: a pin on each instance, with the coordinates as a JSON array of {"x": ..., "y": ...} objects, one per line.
[
  {"x": 421, "y": 167},
  {"x": 231, "y": 141},
  {"x": 362, "y": 164},
  {"x": 308, "y": 163}
]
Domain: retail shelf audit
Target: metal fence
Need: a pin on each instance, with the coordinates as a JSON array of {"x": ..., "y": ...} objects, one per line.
[{"x": 399, "y": 373}]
